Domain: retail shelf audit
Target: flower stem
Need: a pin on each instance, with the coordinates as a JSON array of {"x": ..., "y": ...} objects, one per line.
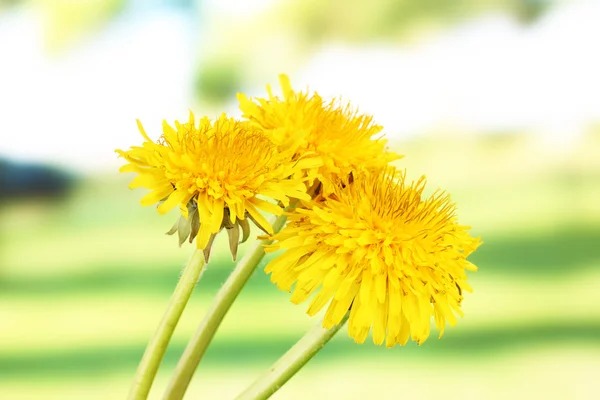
[
  {"x": 206, "y": 330},
  {"x": 158, "y": 344},
  {"x": 291, "y": 362}
]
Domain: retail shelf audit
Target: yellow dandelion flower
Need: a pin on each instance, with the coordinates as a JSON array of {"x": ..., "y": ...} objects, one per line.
[
  {"x": 215, "y": 173},
  {"x": 330, "y": 138},
  {"x": 377, "y": 248}
]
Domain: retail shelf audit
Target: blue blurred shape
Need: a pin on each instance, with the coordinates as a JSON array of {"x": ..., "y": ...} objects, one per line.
[{"x": 28, "y": 180}]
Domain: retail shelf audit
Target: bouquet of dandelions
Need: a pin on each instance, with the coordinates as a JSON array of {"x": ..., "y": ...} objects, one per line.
[{"x": 371, "y": 248}]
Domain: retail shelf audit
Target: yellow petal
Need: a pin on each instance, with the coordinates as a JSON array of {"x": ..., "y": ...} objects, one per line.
[
  {"x": 156, "y": 195},
  {"x": 148, "y": 181},
  {"x": 308, "y": 163},
  {"x": 203, "y": 237},
  {"x": 258, "y": 217},
  {"x": 266, "y": 206},
  {"x": 320, "y": 300},
  {"x": 217, "y": 216},
  {"x": 340, "y": 306},
  {"x": 176, "y": 198},
  {"x": 286, "y": 86},
  {"x": 380, "y": 321},
  {"x": 142, "y": 131}
]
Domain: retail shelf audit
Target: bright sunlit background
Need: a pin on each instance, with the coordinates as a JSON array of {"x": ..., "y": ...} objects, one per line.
[{"x": 497, "y": 101}]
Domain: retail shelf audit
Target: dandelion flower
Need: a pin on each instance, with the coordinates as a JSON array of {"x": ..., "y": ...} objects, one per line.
[
  {"x": 216, "y": 173},
  {"x": 332, "y": 139},
  {"x": 377, "y": 248}
]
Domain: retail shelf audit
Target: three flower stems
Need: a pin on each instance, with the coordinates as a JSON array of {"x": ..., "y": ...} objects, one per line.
[{"x": 280, "y": 373}]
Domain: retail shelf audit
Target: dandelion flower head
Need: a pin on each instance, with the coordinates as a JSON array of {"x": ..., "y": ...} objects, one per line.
[
  {"x": 377, "y": 248},
  {"x": 331, "y": 138},
  {"x": 215, "y": 172}
]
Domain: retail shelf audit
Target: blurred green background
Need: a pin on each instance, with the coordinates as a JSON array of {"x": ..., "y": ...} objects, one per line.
[{"x": 85, "y": 276}]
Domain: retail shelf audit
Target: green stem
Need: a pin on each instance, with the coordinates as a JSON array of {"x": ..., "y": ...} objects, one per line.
[
  {"x": 291, "y": 362},
  {"x": 206, "y": 330},
  {"x": 158, "y": 344}
]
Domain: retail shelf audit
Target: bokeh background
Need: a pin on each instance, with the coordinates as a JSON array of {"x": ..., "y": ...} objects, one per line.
[{"x": 497, "y": 101}]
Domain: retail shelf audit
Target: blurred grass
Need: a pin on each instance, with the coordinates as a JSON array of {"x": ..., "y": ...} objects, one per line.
[{"x": 84, "y": 283}]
